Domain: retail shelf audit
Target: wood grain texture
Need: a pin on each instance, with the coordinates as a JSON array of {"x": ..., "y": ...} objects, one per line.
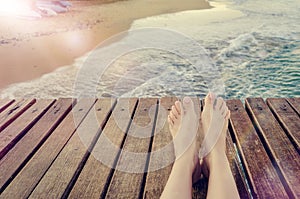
[
  {"x": 295, "y": 103},
  {"x": 33, "y": 171},
  {"x": 12, "y": 134},
  {"x": 5, "y": 103},
  {"x": 14, "y": 111},
  {"x": 262, "y": 176},
  {"x": 281, "y": 151},
  {"x": 236, "y": 168},
  {"x": 18, "y": 156},
  {"x": 95, "y": 177},
  {"x": 162, "y": 153},
  {"x": 46, "y": 151},
  {"x": 57, "y": 180},
  {"x": 127, "y": 181},
  {"x": 288, "y": 118}
]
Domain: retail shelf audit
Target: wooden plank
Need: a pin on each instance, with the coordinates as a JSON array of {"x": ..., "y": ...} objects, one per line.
[
  {"x": 97, "y": 172},
  {"x": 279, "y": 147},
  {"x": 157, "y": 179},
  {"x": 295, "y": 103},
  {"x": 128, "y": 179},
  {"x": 236, "y": 168},
  {"x": 11, "y": 135},
  {"x": 288, "y": 118},
  {"x": 64, "y": 171},
  {"x": 262, "y": 177},
  {"x": 14, "y": 111},
  {"x": 4, "y": 103},
  {"x": 18, "y": 156},
  {"x": 33, "y": 171}
]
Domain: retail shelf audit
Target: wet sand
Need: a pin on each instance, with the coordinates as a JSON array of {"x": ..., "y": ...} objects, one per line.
[{"x": 31, "y": 48}]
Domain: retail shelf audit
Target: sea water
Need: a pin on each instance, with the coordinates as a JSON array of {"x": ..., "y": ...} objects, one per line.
[{"x": 254, "y": 47}]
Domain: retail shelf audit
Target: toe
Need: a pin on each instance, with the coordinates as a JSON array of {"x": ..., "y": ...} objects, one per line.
[
  {"x": 177, "y": 106},
  {"x": 187, "y": 103},
  {"x": 170, "y": 121},
  {"x": 175, "y": 112},
  {"x": 224, "y": 110},
  {"x": 219, "y": 103},
  {"x": 209, "y": 99},
  {"x": 172, "y": 116},
  {"x": 227, "y": 115}
]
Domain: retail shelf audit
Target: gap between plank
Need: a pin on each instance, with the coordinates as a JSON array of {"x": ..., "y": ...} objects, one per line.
[
  {"x": 241, "y": 163},
  {"x": 293, "y": 107},
  {"x": 87, "y": 154},
  {"x": 112, "y": 171},
  {"x": 24, "y": 131},
  {"x": 36, "y": 148},
  {"x": 6, "y": 105},
  {"x": 283, "y": 127},
  {"x": 20, "y": 112},
  {"x": 149, "y": 151},
  {"x": 268, "y": 150},
  {"x": 63, "y": 146}
]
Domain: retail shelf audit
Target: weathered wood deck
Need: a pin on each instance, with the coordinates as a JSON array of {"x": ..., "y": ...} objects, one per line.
[{"x": 43, "y": 156}]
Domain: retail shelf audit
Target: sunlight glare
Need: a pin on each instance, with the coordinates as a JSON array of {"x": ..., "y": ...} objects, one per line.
[{"x": 13, "y": 7}]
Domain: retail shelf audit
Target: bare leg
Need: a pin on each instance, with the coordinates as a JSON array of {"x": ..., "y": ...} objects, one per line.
[
  {"x": 175, "y": 113},
  {"x": 221, "y": 182},
  {"x": 183, "y": 127}
]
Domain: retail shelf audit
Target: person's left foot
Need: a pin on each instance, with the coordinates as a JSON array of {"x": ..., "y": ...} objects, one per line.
[{"x": 183, "y": 125}]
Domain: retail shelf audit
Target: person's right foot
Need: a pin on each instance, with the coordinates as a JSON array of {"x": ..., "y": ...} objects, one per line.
[{"x": 214, "y": 120}]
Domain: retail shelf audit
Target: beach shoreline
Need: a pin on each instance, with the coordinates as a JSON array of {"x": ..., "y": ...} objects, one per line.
[{"x": 32, "y": 48}]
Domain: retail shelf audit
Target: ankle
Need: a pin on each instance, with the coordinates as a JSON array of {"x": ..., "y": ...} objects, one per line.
[
  {"x": 214, "y": 158},
  {"x": 185, "y": 164},
  {"x": 188, "y": 158}
]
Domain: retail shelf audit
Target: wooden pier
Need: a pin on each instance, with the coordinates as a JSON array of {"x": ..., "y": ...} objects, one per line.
[{"x": 43, "y": 153}]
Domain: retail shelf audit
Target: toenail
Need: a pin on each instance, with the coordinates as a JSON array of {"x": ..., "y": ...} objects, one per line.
[{"x": 187, "y": 100}]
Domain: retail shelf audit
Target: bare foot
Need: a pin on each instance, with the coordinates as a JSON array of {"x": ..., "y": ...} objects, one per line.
[
  {"x": 207, "y": 111},
  {"x": 183, "y": 125},
  {"x": 214, "y": 120}
]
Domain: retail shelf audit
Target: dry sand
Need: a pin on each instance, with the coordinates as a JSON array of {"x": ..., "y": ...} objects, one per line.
[{"x": 31, "y": 48}]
